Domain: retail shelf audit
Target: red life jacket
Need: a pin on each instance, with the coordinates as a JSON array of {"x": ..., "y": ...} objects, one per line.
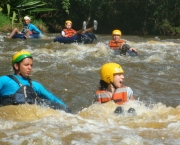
[
  {"x": 69, "y": 32},
  {"x": 119, "y": 96},
  {"x": 116, "y": 44}
]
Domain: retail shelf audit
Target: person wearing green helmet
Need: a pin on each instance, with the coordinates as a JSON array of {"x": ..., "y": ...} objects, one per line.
[
  {"x": 120, "y": 44},
  {"x": 111, "y": 87},
  {"x": 20, "y": 89}
]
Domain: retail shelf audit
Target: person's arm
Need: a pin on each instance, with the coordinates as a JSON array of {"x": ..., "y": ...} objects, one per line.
[
  {"x": 34, "y": 28},
  {"x": 130, "y": 93},
  {"x": 44, "y": 93},
  {"x": 74, "y": 32},
  {"x": 132, "y": 49},
  {"x": 127, "y": 47},
  {"x": 63, "y": 34}
]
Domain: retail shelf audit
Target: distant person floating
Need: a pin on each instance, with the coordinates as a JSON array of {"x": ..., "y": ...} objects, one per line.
[
  {"x": 29, "y": 30},
  {"x": 111, "y": 87},
  {"x": 120, "y": 44},
  {"x": 69, "y": 35},
  {"x": 19, "y": 89}
]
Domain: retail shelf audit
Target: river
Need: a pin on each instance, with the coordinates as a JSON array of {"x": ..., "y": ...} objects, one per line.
[{"x": 71, "y": 72}]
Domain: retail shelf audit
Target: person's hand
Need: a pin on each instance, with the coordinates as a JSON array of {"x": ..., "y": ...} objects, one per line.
[
  {"x": 83, "y": 32},
  {"x": 132, "y": 49}
]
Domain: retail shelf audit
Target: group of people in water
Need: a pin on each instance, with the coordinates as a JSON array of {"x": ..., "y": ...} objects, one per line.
[
  {"x": 20, "y": 89},
  {"x": 69, "y": 35}
]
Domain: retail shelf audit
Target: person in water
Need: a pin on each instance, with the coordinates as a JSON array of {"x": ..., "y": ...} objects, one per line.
[
  {"x": 69, "y": 35},
  {"x": 69, "y": 31},
  {"x": 20, "y": 89},
  {"x": 29, "y": 30},
  {"x": 111, "y": 87},
  {"x": 120, "y": 44}
]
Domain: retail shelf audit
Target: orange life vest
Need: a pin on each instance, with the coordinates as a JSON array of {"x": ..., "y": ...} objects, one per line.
[
  {"x": 119, "y": 96},
  {"x": 102, "y": 96},
  {"x": 116, "y": 44},
  {"x": 69, "y": 32}
]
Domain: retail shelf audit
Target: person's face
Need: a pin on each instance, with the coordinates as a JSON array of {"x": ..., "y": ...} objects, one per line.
[
  {"x": 26, "y": 21},
  {"x": 68, "y": 25},
  {"x": 116, "y": 37},
  {"x": 118, "y": 79},
  {"x": 25, "y": 67}
]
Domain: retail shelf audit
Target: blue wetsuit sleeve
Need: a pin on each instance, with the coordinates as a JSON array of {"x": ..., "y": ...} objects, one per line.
[
  {"x": 2, "y": 80},
  {"x": 34, "y": 28},
  {"x": 44, "y": 93}
]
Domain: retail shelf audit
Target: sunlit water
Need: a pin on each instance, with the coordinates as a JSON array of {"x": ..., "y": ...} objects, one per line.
[{"x": 71, "y": 72}]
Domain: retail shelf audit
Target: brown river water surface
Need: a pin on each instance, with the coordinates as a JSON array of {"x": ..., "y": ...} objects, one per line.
[{"x": 71, "y": 72}]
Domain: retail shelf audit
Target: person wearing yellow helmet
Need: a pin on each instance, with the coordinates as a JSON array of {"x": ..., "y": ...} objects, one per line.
[
  {"x": 69, "y": 32},
  {"x": 69, "y": 35},
  {"x": 120, "y": 44},
  {"x": 20, "y": 89},
  {"x": 29, "y": 30},
  {"x": 111, "y": 87}
]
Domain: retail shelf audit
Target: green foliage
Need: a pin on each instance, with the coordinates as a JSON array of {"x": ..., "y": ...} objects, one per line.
[
  {"x": 66, "y": 5},
  {"x": 177, "y": 31},
  {"x": 20, "y": 8},
  {"x": 139, "y": 17},
  {"x": 13, "y": 18},
  {"x": 5, "y": 24},
  {"x": 8, "y": 9}
]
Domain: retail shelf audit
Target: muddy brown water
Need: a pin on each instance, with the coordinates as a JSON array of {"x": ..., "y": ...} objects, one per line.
[{"x": 71, "y": 72}]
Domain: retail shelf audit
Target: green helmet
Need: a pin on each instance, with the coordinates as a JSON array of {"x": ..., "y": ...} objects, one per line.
[{"x": 19, "y": 56}]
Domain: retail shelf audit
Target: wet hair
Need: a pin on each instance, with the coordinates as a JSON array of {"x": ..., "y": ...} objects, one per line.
[
  {"x": 103, "y": 85},
  {"x": 18, "y": 65}
]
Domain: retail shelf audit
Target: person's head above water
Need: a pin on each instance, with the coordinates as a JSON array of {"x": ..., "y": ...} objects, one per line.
[
  {"x": 20, "y": 55},
  {"x": 27, "y": 19},
  {"x": 116, "y": 32},
  {"x": 108, "y": 71},
  {"x": 22, "y": 63},
  {"x": 68, "y": 24}
]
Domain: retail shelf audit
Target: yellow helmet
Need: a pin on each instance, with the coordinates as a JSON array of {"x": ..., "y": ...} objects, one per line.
[
  {"x": 68, "y": 21},
  {"x": 17, "y": 57},
  {"x": 107, "y": 71},
  {"x": 116, "y": 32}
]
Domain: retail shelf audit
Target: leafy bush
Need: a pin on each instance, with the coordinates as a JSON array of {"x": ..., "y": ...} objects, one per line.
[{"x": 5, "y": 24}]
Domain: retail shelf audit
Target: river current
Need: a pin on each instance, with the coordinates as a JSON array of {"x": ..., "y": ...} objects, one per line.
[{"x": 71, "y": 72}]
